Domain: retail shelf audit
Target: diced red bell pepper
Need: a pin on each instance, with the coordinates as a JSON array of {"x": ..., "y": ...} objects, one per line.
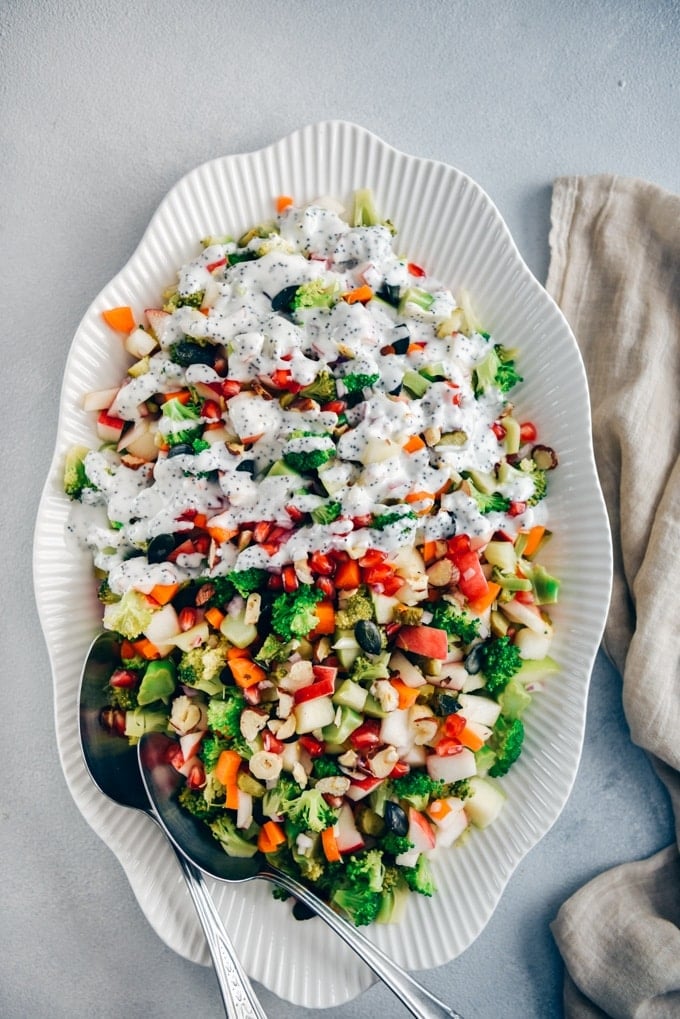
[
  {"x": 458, "y": 543},
  {"x": 367, "y": 736},
  {"x": 348, "y": 575},
  {"x": 516, "y": 508},
  {"x": 261, "y": 531},
  {"x": 400, "y": 769},
  {"x": 314, "y": 747},
  {"x": 295, "y": 514},
  {"x": 448, "y": 746},
  {"x": 415, "y": 270},
  {"x": 321, "y": 688}
]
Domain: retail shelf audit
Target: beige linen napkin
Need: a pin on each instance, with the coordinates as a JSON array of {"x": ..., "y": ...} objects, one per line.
[{"x": 615, "y": 272}]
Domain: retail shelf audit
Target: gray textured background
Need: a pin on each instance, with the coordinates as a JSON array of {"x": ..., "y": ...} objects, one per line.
[{"x": 102, "y": 108}]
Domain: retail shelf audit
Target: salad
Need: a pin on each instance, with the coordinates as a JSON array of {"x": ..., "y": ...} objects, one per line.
[{"x": 317, "y": 524}]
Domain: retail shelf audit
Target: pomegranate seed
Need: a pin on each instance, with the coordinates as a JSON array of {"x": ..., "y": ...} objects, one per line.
[
  {"x": 187, "y": 618},
  {"x": 113, "y": 720},
  {"x": 326, "y": 586},
  {"x": 275, "y": 582},
  {"x": 124, "y": 678},
  {"x": 290, "y": 579}
]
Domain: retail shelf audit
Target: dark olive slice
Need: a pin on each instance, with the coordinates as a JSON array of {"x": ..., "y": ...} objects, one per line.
[{"x": 160, "y": 548}]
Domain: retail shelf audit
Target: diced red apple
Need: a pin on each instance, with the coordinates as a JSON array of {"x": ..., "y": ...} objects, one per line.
[
  {"x": 409, "y": 673},
  {"x": 99, "y": 399},
  {"x": 362, "y": 787},
  {"x": 348, "y": 837},
  {"x": 322, "y": 687},
  {"x": 140, "y": 441},
  {"x": 190, "y": 744},
  {"x": 453, "y": 768},
  {"x": 139, "y": 342},
  {"x": 109, "y": 428},
  {"x": 188, "y": 639},
  {"x": 420, "y": 831},
  {"x": 314, "y": 714},
  {"x": 457, "y": 823},
  {"x": 159, "y": 321},
  {"x": 163, "y": 628},
  {"x": 428, "y": 641}
]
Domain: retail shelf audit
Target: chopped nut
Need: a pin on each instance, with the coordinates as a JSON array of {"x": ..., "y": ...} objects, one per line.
[
  {"x": 244, "y": 539},
  {"x": 384, "y": 761},
  {"x": 284, "y": 728},
  {"x": 253, "y": 604},
  {"x": 252, "y": 722},
  {"x": 432, "y": 435},
  {"x": 334, "y": 785},
  {"x": 186, "y": 715},
  {"x": 300, "y": 775},
  {"x": 385, "y": 694},
  {"x": 265, "y": 765},
  {"x": 285, "y": 705},
  {"x": 303, "y": 572},
  {"x": 348, "y": 759},
  {"x": 426, "y": 730},
  {"x": 204, "y": 594}
]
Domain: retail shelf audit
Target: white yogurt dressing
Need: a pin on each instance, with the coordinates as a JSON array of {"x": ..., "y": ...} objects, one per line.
[{"x": 370, "y": 471}]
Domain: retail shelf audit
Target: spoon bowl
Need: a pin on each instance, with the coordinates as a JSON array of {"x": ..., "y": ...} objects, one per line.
[
  {"x": 113, "y": 766},
  {"x": 193, "y": 840}
]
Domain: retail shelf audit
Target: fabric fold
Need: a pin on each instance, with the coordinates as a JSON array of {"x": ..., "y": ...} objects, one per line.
[{"x": 615, "y": 273}]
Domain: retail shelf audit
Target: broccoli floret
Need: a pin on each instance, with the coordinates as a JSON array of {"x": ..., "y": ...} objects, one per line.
[
  {"x": 193, "y": 801},
  {"x": 360, "y": 905},
  {"x": 310, "y": 812},
  {"x": 123, "y": 697},
  {"x": 224, "y": 713},
  {"x": 305, "y": 460},
  {"x": 325, "y": 767},
  {"x": 355, "y": 382},
  {"x": 273, "y": 650},
  {"x": 327, "y": 512},
  {"x": 366, "y": 670},
  {"x": 417, "y": 788},
  {"x": 202, "y": 666},
  {"x": 315, "y": 294},
  {"x": 75, "y": 476},
  {"x": 211, "y": 748},
  {"x": 130, "y": 616},
  {"x": 365, "y": 870},
  {"x": 383, "y": 520},
  {"x": 539, "y": 478},
  {"x": 419, "y": 878},
  {"x": 105, "y": 594},
  {"x": 394, "y": 844},
  {"x": 293, "y": 612},
  {"x": 233, "y": 841},
  {"x": 198, "y": 445},
  {"x": 490, "y": 502},
  {"x": 247, "y": 581},
  {"x": 497, "y": 370},
  {"x": 276, "y": 800},
  {"x": 358, "y": 606},
  {"x": 322, "y": 389},
  {"x": 506, "y": 741},
  {"x": 182, "y": 413},
  {"x": 455, "y": 620},
  {"x": 499, "y": 660}
]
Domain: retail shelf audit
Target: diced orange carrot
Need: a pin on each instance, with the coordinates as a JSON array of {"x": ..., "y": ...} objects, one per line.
[
  {"x": 121, "y": 319},
  {"x": 427, "y": 498},
  {"x": 329, "y": 844},
  {"x": 237, "y": 652},
  {"x": 181, "y": 395},
  {"x": 348, "y": 575},
  {"x": 283, "y": 202},
  {"x": 325, "y": 613},
  {"x": 270, "y": 837},
  {"x": 408, "y": 695},
  {"x": 438, "y": 810},
  {"x": 534, "y": 538},
  {"x": 246, "y": 672},
  {"x": 227, "y": 766},
  {"x": 358, "y": 296},
  {"x": 163, "y": 593},
  {"x": 146, "y": 649},
  {"x": 429, "y": 552},
  {"x": 471, "y": 739},
  {"x": 486, "y": 600},
  {"x": 214, "y": 617},
  {"x": 220, "y": 534},
  {"x": 413, "y": 444}
]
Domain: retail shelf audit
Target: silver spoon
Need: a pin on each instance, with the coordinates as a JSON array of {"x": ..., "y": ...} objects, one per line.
[
  {"x": 192, "y": 839},
  {"x": 113, "y": 766}
]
